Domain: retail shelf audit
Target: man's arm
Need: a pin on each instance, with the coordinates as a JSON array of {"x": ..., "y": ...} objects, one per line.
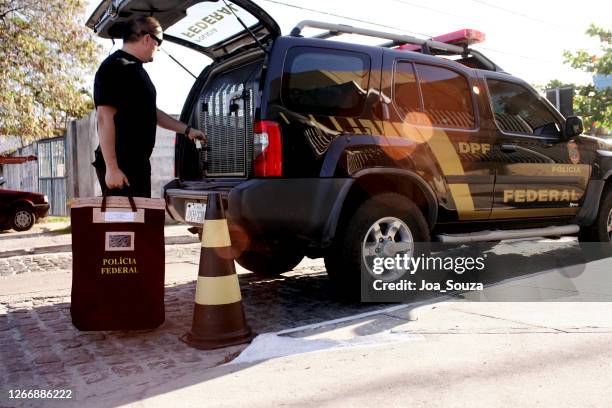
[
  {"x": 115, "y": 178},
  {"x": 168, "y": 122}
]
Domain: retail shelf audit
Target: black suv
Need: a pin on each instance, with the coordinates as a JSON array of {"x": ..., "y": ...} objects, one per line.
[{"x": 331, "y": 149}]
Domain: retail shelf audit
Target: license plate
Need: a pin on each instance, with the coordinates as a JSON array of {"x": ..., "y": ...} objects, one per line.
[{"x": 195, "y": 212}]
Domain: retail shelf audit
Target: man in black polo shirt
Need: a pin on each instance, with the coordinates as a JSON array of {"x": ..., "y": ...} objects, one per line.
[{"x": 127, "y": 114}]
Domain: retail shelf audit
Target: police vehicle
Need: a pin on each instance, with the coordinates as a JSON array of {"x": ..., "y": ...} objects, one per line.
[{"x": 326, "y": 148}]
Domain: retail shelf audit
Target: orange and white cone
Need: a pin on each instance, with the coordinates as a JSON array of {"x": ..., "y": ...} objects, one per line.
[{"x": 218, "y": 318}]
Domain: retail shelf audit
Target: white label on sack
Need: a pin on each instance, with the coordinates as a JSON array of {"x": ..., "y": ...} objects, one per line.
[{"x": 114, "y": 216}]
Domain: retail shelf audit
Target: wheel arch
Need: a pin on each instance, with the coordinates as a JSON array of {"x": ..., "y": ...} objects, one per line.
[
  {"x": 370, "y": 182},
  {"x": 22, "y": 203}
]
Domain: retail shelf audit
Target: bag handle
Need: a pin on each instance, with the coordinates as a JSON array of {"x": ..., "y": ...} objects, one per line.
[{"x": 129, "y": 197}]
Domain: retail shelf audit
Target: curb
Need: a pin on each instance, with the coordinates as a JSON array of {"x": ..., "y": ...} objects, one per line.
[{"x": 174, "y": 240}]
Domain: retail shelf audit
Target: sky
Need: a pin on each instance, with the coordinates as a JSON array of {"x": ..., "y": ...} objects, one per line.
[{"x": 525, "y": 37}]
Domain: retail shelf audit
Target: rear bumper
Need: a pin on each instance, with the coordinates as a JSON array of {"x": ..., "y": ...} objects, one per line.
[
  {"x": 178, "y": 194},
  {"x": 41, "y": 210},
  {"x": 307, "y": 209}
]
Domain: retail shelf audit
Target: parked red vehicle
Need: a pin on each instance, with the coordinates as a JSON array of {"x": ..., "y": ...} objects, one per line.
[{"x": 19, "y": 210}]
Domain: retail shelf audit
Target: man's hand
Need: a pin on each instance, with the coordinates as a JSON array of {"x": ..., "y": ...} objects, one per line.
[
  {"x": 195, "y": 134},
  {"x": 115, "y": 178},
  {"x": 168, "y": 122}
]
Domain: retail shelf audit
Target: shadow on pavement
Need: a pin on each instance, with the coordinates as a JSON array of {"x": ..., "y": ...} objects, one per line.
[{"x": 40, "y": 349}]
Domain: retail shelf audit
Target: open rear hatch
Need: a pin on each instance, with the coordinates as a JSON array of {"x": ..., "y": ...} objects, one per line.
[{"x": 212, "y": 27}]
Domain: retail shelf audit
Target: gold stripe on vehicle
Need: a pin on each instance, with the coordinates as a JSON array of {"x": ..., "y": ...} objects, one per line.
[
  {"x": 219, "y": 290},
  {"x": 282, "y": 115},
  {"x": 450, "y": 164},
  {"x": 313, "y": 120},
  {"x": 352, "y": 123},
  {"x": 335, "y": 123},
  {"x": 369, "y": 124},
  {"x": 215, "y": 234}
]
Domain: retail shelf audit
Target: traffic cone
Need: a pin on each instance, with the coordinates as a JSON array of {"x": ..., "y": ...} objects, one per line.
[{"x": 218, "y": 318}]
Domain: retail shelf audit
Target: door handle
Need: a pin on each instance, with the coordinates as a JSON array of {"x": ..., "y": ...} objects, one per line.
[{"x": 508, "y": 148}]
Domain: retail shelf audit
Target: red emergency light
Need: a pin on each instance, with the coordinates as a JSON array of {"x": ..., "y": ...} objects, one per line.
[
  {"x": 467, "y": 36},
  {"x": 16, "y": 159}
]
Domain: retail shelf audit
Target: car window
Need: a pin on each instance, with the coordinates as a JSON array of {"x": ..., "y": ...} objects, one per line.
[
  {"x": 447, "y": 99},
  {"x": 518, "y": 110},
  {"x": 328, "y": 82},
  {"x": 405, "y": 91}
]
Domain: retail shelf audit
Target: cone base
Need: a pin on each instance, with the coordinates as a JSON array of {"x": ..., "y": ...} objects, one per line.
[{"x": 211, "y": 343}]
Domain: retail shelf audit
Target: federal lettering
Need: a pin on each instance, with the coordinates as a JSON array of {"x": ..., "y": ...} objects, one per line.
[
  {"x": 530, "y": 195},
  {"x": 209, "y": 20}
]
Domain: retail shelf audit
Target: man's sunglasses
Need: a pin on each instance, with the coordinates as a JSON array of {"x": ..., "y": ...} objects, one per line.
[{"x": 153, "y": 36}]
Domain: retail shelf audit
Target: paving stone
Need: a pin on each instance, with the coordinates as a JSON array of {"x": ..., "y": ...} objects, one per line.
[
  {"x": 127, "y": 370},
  {"x": 95, "y": 377},
  {"x": 69, "y": 344},
  {"x": 106, "y": 351},
  {"x": 89, "y": 368},
  {"x": 18, "y": 366},
  {"x": 80, "y": 357},
  {"x": 190, "y": 358},
  {"x": 49, "y": 316},
  {"x": 115, "y": 359},
  {"x": 90, "y": 337},
  {"x": 45, "y": 358},
  {"x": 51, "y": 368}
]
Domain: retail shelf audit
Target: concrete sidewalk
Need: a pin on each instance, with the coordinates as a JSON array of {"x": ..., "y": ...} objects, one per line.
[
  {"x": 445, "y": 354},
  {"x": 54, "y": 237}
]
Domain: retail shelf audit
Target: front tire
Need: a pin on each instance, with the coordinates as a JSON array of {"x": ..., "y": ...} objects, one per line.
[
  {"x": 23, "y": 219},
  {"x": 384, "y": 225},
  {"x": 601, "y": 229}
]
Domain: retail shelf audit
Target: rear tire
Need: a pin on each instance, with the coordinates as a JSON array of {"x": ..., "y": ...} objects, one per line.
[
  {"x": 270, "y": 261},
  {"x": 344, "y": 261},
  {"x": 22, "y": 219}
]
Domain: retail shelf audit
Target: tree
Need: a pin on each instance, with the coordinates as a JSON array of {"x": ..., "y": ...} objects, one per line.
[
  {"x": 592, "y": 104},
  {"x": 47, "y": 57}
]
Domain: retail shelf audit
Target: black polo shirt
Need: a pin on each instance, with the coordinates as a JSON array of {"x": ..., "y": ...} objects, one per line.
[{"x": 122, "y": 82}]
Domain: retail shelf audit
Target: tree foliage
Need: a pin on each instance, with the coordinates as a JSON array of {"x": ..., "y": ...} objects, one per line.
[
  {"x": 47, "y": 57},
  {"x": 592, "y": 104}
]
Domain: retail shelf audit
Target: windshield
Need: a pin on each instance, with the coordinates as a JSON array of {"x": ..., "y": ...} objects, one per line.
[{"x": 207, "y": 24}]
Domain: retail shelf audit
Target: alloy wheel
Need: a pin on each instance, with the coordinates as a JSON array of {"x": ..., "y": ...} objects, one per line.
[
  {"x": 23, "y": 219},
  {"x": 387, "y": 238}
]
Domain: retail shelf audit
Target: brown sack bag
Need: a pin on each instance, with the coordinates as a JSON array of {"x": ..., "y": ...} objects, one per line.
[{"x": 117, "y": 263}]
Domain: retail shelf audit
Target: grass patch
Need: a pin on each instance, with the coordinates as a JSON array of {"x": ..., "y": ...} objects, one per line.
[
  {"x": 65, "y": 230},
  {"x": 53, "y": 218}
]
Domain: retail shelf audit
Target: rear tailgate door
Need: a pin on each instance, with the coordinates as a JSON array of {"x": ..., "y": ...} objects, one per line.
[{"x": 214, "y": 28}]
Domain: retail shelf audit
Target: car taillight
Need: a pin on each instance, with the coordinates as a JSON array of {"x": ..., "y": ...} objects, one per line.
[{"x": 267, "y": 149}]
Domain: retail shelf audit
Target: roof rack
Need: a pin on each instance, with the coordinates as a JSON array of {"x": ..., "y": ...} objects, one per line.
[{"x": 431, "y": 47}]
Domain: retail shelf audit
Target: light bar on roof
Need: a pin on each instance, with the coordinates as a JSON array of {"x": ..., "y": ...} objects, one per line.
[{"x": 467, "y": 36}]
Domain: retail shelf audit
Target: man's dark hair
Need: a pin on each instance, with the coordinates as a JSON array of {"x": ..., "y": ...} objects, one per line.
[{"x": 137, "y": 26}]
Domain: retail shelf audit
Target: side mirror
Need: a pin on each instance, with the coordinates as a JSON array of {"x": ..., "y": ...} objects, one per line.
[{"x": 573, "y": 127}]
